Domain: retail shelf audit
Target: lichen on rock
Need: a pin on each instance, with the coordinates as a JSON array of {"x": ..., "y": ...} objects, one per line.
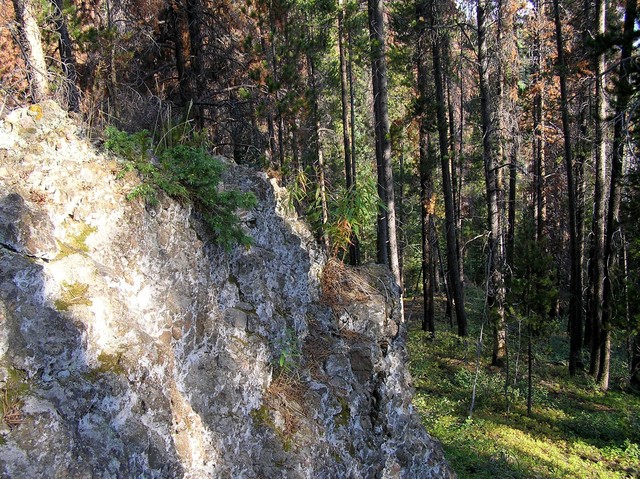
[{"x": 150, "y": 351}]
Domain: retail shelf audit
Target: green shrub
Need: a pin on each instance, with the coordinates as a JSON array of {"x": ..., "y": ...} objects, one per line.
[{"x": 184, "y": 172}]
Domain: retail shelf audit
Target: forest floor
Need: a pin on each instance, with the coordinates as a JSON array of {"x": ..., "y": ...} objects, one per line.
[{"x": 574, "y": 431}]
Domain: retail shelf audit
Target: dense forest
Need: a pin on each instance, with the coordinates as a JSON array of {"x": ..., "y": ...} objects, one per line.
[{"x": 487, "y": 144}]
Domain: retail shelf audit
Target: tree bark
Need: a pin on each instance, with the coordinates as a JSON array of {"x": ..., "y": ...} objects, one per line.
[
  {"x": 600, "y": 206},
  {"x": 67, "y": 59},
  {"x": 538, "y": 126},
  {"x": 495, "y": 280},
  {"x": 197, "y": 73},
  {"x": 31, "y": 46},
  {"x": 178, "y": 26},
  {"x": 319, "y": 167},
  {"x": 383, "y": 143},
  {"x": 447, "y": 186},
  {"x": 575, "y": 288},
  {"x": 349, "y": 169},
  {"x": 620, "y": 126},
  {"x": 427, "y": 165}
]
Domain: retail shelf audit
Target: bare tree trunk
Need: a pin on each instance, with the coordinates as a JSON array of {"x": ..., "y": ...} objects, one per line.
[
  {"x": 319, "y": 153},
  {"x": 427, "y": 200},
  {"x": 455, "y": 282},
  {"x": 196, "y": 55},
  {"x": 538, "y": 126},
  {"x": 615, "y": 193},
  {"x": 427, "y": 165},
  {"x": 67, "y": 60},
  {"x": 383, "y": 150},
  {"x": 456, "y": 181},
  {"x": 600, "y": 206},
  {"x": 31, "y": 46},
  {"x": 495, "y": 281},
  {"x": 575, "y": 293},
  {"x": 178, "y": 27},
  {"x": 346, "y": 139}
]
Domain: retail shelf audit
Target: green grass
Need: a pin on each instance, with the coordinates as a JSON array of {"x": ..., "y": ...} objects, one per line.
[{"x": 575, "y": 431}]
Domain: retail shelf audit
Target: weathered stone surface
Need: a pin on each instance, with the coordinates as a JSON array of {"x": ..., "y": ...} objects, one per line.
[
  {"x": 24, "y": 230},
  {"x": 142, "y": 349}
]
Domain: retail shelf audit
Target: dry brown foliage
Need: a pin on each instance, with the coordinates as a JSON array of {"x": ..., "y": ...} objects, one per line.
[
  {"x": 286, "y": 395},
  {"x": 342, "y": 285},
  {"x": 12, "y": 413}
]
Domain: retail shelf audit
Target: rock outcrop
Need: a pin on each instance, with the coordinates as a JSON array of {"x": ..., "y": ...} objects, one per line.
[{"x": 132, "y": 346}]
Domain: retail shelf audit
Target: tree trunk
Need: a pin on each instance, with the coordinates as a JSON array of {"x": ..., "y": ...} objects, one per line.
[
  {"x": 575, "y": 288},
  {"x": 31, "y": 46},
  {"x": 427, "y": 165},
  {"x": 620, "y": 127},
  {"x": 495, "y": 280},
  {"x": 197, "y": 74},
  {"x": 346, "y": 139},
  {"x": 67, "y": 60},
  {"x": 600, "y": 206},
  {"x": 177, "y": 23},
  {"x": 319, "y": 167},
  {"x": 456, "y": 181},
  {"x": 383, "y": 144},
  {"x": 455, "y": 282},
  {"x": 538, "y": 126}
]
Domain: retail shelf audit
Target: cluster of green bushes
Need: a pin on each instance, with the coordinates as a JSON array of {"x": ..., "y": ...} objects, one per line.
[{"x": 186, "y": 171}]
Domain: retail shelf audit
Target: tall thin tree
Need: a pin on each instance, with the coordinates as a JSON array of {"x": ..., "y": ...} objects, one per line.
[
  {"x": 495, "y": 275},
  {"x": 447, "y": 184},
  {"x": 620, "y": 126},
  {"x": 30, "y": 42},
  {"x": 575, "y": 280},
  {"x": 387, "y": 243}
]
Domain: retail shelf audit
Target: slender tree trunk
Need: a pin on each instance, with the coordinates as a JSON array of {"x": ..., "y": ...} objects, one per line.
[
  {"x": 31, "y": 45},
  {"x": 352, "y": 108},
  {"x": 276, "y": 81},
  {"x": 453, "y": 160},
  {"x": 352, "y": 104},
  {"x": 580, "y": 161},
  {"x": 67, "y": 60},
  {"x": 382, "y": 226},
  {"x": 197, "y": 73},
  {"x": 575, "y": 289},
  {"x": 319, "y": 153},
  {"x": 538, "y": 126},
  {"x": 615, "y": 192},
  {"x": 457, "y": 289},
  {"x": 495, "y": 281},
  {"x": 402, "y": 238},
  {"x": 178, "y": 27},
  {"x": 383, "y": 150},
  {"x": 513, "y": 180},
  {"x": 600, "y": 202},
  {"x": 346, "y": 139},
  {"x": 428, "y": 269},
  {"x": 427, "y": 165}
]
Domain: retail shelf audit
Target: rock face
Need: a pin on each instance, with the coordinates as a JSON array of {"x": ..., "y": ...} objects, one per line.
[{"x": 132, "y": 346}]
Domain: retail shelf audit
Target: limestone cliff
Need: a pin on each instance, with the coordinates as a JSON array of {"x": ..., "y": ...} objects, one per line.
[{"x": 132, "y": 346}]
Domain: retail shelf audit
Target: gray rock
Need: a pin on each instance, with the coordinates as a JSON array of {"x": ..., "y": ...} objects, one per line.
[
  {"x": 146, "y": 350},
  {"x": 25, "y": 230}
]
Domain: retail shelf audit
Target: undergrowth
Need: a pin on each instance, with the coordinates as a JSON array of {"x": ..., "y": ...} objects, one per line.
[
  {"x": 184, "y": 170},
  {"x": 574, "y": 431}
]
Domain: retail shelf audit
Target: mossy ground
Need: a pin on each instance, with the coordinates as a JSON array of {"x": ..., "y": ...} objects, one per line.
[{"x": 574, "y": 431}]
